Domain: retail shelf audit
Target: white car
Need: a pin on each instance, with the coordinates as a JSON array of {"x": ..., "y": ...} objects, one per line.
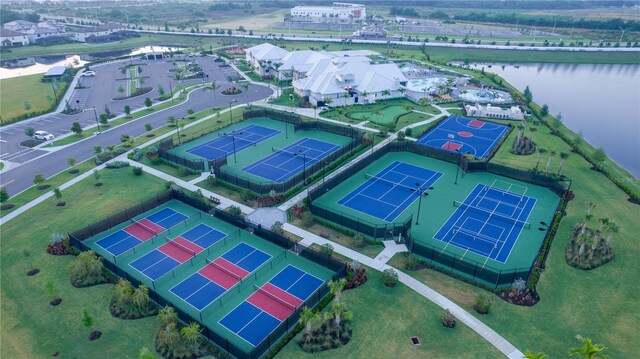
[
  {"x": 88, "y": 73},
  {"x": 42, "y": 135}
]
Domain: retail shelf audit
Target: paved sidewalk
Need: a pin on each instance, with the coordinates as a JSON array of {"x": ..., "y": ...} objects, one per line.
[
  {"x": 472, "y": 322},
  {"x": 390, "y": 249}
]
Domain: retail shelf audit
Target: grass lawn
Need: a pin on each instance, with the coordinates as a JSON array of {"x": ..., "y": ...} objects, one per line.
[
  {"x": 422, "y": 129},
  {"x": 34, "y": 329},
  {"x": 55, "y": 181},
  {"x": 383, "y": 116},
  {"x": 385, "y": 318},
  {"x": 285, "y": 100},
  {"x": 601, "y": 303},
  {"x": 17, "y": 90}
]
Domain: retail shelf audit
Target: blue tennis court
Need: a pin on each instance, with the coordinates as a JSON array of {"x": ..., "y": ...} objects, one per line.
[
  {"x": 219, "y": 275},
  {"x": 489, "y": 221},
  {"x": 391, "y": 191},
  {"x": 460, "y": 134},
  {"x": 241, "y": 139},
  {"x": 285, "y": 163},
  {"x": 170, "y": 255},
  {"x": 255, "y": 318},
  {"x": 140, "y": 231}
]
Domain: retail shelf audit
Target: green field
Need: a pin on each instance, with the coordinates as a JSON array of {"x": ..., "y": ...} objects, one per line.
[
  {"x": 385, "y": 116},
  {"x": 17, "y": 90},
  {"x": 30, "y": 326},
  {"x": 384, "y": 320}
]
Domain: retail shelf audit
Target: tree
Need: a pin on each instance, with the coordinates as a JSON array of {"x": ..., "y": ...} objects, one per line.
[
  {"x": 120, "y": 89},
  {"x": 38, "y": 179},
  {"x": 191, "y": 333},
  {"x": 577, "y": 141},
  {"x": 148, "y": 127},
  {"x": 551, "y": 155},
  {"x": 148, "y": 102},
  {"x": 71, "y": 161},
  {"x": 307, "y": 318},
  {"x": 531, "y": 355},
  {"x": 172, "y": 121},
  {"x": 58, "y": 194},
  {"x": 76, "y": 128},
  {"x": 96, "y": 176},
  {"x": 544, "y": 111},
  {"x": 336, "y": 287},
  {"x": 531, "y": 131},
  {"x": 123, "y": 292},
  {"x": 127, "y": 110},
  {"x": 29, "y": 131},
  {"x": 51, "y": 290},
  {"x": 104, "y": 119},
  {"x": 4, "y": 195},
  {"x": 345, "y": 96},
  {"x": 587, "y": 349},
  {"x": 145, "y": 353},
  {"x": 140, "y": 296},
  {"x": 87, "y": 319},
  {"x": 541, "y": 152},
  {"x": 27, "y": 105},
  {"x": 97, "y": 150},
  {"x": 528, "y": 96},
  {"x": 386, "y": 93},
  {"x": 389, "y": 277},
  {"x": 338, "y": 312},
  {"x": 107, "y": 111},
  {"x": 161, "y": 90},
  {"x": 167, "y": 316},
  {"x": 563, "y": 157},
  {"x": 598, "y": 157}
]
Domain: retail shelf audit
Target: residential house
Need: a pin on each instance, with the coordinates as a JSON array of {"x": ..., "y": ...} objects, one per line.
[
  {"x": 265, "y": 58},
  {"x": 97, "y": 33},
  {"x": 20, "y": 25},
  {"x": 13, "y": 38}
]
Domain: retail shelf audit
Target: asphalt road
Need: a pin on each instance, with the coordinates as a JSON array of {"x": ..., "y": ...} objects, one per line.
[{"x": 20, "y": 178}]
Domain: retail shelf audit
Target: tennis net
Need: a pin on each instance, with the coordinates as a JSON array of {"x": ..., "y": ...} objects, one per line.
[
  {"x": 508, "y": 219},
  {"x": 293, "y": 154},
  {"x": 457, "y": 229},
  {"x": 181, "y": 247},
  {"x": 142, "y": 226},
  {"x": 391, "y": 183},
  {"x": 225, "y": 270},
  {"x": 275, "y": 297}
]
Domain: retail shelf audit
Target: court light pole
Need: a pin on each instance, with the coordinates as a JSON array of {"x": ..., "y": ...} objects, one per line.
[
  {"x": 233, "y": 141},
  {"x": 458, "y": 165},
  {"x": 231, "y": 112},
  {"x": 304, "y": 170},
  {"x": 422, "y": 192}
]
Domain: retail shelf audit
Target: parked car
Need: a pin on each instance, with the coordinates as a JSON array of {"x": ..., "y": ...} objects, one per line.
[
  {"x": 42, "y": 135},
  {"x": 88, "y": 73}
]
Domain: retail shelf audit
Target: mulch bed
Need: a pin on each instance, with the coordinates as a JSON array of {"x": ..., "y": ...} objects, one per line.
[
  {"x": 6, "y": 206},
  {"x": 43, "y": 186},
  {"x": 74, "y": 171},
  {"x": 56, "y": 302},
  {"x": 525, "y": 298},
  {"x": 33, "y": 272},
  {"x": 96, "y": 334}
]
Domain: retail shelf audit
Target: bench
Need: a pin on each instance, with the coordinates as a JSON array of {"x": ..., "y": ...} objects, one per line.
[
  {"x": 214, "y": 200},
  {"x": 324, "y": 234}
]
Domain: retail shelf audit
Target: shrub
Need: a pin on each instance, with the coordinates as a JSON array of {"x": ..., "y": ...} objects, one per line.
[
  {"x": 307, "y": 219},
  {"x": 408, "y": 131},
  {"x": 148, "y": 127},
  {"x": 117, "y": 164},
  {"x": 235, "y": 210},
  {"x": 277, "y": 228},
  {"x": 389, "y": 277},
  {"x": 326, "y": 249},
  {"x": 412, "y": 263},
  {"x": 448, "y": 319},
  {"x": 482, "y": 304},
  {"x": 359, "y": 240},
  {"x": 87, "y": 270},
  {"x": 137, "y": 171}
]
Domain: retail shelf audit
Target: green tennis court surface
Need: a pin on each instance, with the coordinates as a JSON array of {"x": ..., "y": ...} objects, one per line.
[
  {"x": 206, "y": 268},
  {"x": 438, "y": 207}
]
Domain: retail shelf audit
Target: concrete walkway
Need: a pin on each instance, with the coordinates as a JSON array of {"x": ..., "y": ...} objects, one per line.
[
  {"x": 390, "y": 249},
  {"x": 469, "y": 320}
]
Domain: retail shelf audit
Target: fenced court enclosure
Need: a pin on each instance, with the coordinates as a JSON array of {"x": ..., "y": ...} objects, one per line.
[
  {"x": 267, "y": 151},
  {"x": 465, "y": 136},
  {"x": 480, "y": 224},
  {"x": 246, "y": 289}
]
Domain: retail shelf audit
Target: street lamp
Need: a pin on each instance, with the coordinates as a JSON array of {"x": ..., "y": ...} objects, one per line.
[
  {"x": 422, "y": 192},
  {"x": 96, "y": 116},
  {"x": 544, "y": 227},
  {"x": 231, "y": 112}
]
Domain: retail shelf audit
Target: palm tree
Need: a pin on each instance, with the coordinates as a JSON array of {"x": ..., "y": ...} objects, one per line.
[
  {"x": 424, "y": 101},
  {"x": 386, "y": 93},
  {"x": 402, "y": 90},
  {"x": 140, "y": 296},
  {"x": 191, "y": 333},
  {"x": 276, "y": 83},
  {"x": 345, "y": 96},
  {"x": 532, "y": 130},
  {"x": 365, "y": 118},
  {"x": 168, "y": 335},
  {"x": 407, "y": 107},
  {"x": 328, "y": 101},
  {"x": 123, "y": 291},
  {"x": 610, "y": 229},
  {"x": 551, "y": 154},
  {"x": 531, "y": 355},
  {"x": 307, "y": 318},
  {"x": 167, "y": 316},
  {"x": 214, "y": 87},
  {"x": 338, "y": 312},
  {"x": 364, "y": 94},
  {"x": 336, "y": 288},
  {"x": 587, "y": 349},
  {"x": 563, "y": 157},
  {"x": 541, "y": 152}
]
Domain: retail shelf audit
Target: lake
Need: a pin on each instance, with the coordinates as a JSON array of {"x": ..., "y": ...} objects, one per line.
[{"x": 602, "y": 101}]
